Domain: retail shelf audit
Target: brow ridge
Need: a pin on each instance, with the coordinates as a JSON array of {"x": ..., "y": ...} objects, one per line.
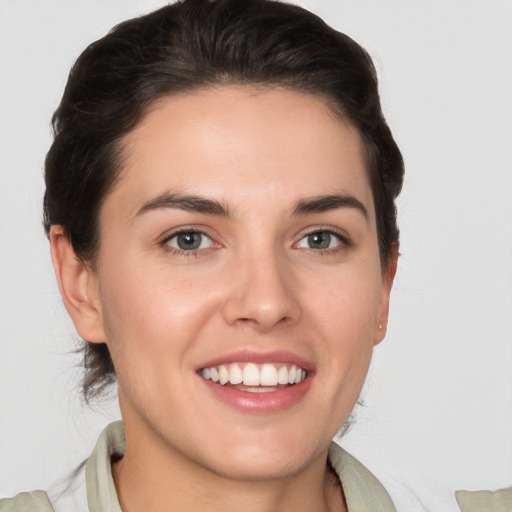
[
  {"x": 198, "y": 204},
  {"x": 190, "y": 203},
  {"x": 330, "y": 202}
]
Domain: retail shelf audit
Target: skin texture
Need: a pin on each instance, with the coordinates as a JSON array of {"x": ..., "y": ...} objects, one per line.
[{"x": 255, "y": 284}]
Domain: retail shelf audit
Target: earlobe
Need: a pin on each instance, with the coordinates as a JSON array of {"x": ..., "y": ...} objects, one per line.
[
  {"x": 387, "y": 284},
  {"x": 78, "y": 287}
]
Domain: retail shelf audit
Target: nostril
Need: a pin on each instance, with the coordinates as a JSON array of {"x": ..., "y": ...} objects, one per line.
[{"x": 259, "y": 320}]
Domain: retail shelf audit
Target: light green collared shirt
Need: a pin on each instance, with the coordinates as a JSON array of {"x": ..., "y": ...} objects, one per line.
[{"x": 363, "y": 492}]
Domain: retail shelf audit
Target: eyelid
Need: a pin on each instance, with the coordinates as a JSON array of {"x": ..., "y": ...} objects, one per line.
[
  {"x": 341, "y": 235},
  {"x": 202, "y": 230},
  {"x": 184, "y": 229}
]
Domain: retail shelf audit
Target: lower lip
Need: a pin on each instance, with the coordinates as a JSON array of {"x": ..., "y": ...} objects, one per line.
[{"x": 262, "y": 403}]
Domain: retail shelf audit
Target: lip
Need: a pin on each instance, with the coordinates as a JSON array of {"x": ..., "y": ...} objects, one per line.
[
  {"x": 258, "y": 357},
  {"x": 260, "y": 403}
]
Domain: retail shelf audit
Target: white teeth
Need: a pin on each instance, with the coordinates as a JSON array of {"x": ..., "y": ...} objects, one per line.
[
  {"x": 251, "y": 375},
  {"x": 223, "y": 374},
  {"x": 261, "y": 389},
  {"x": 268, "y": 375},
  {"x": 257, "y": 378},
  {"x": 235, "y": 374},
  {"x": 291, "y": 374},
  {"x": 282, "y": 375}
]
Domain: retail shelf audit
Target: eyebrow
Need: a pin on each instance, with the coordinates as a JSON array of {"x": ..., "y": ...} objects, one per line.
[
  {"x": 323, "y": 204},
  {"x": 189, "y": 203},
  {"x": 198, "y": 204}
]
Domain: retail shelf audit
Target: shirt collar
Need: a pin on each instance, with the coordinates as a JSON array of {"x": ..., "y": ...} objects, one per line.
[{"x": 363, "y": 492}]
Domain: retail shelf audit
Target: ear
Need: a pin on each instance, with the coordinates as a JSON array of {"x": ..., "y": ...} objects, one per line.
[
  {"x": 387, "y": 283},
  {"x": 78, "y": 286}
]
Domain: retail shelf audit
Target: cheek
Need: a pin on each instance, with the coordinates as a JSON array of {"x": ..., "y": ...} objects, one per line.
[
  {"x": 149, "y": 309},
  {"x": 346, "y": 314},
  {"x": 348, "y": 303}
]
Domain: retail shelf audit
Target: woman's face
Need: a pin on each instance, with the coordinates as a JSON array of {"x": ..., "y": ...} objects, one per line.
[{"x": 240, "y": 244}]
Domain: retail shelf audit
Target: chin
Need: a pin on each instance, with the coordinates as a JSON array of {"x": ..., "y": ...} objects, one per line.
[
  {"x": 266, "y": 460},
  {"x": 264, "y": 469}
]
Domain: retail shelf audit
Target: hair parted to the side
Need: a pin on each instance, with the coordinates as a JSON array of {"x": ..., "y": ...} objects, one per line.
[{"x": 182, "y": 47}]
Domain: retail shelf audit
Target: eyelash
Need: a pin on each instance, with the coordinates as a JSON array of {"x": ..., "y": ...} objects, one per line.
[
  {"x": 344, "y": 242},
  {"x": 182, "y": 252}
]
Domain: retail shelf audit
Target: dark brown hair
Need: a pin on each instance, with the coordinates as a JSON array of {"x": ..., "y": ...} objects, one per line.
[{"x": 182, "y": 47}]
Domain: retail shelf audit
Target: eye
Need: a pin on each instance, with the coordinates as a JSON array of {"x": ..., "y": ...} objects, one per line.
[
  {"x": 189, "y": 241},
  {"x": 321, "y": 240}
]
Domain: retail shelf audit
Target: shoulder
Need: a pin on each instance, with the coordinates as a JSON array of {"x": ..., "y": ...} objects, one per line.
[
  {"x": 35, "y": 501},
  {"x": 390, "y": 491},
  {"x": 361, "y": 488},
  {"x": 485, "y": 501}
]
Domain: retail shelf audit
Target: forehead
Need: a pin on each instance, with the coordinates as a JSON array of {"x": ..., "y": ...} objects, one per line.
[{"x": 239, "y": 142}]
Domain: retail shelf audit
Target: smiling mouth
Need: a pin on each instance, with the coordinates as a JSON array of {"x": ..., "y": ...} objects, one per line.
[{"x": 255, "y": 378}]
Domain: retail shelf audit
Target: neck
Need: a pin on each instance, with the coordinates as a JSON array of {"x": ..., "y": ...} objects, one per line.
[{"x": 151, "y": 476}]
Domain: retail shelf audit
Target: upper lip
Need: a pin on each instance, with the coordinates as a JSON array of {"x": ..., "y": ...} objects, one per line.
[{"x": 258, "y": 357}]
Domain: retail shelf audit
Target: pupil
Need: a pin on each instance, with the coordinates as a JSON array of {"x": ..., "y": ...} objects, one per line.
[
  {"x": 189, "y": 241},
  {"x": 319, "y": 240}
]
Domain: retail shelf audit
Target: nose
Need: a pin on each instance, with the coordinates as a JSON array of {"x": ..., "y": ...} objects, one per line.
[{"x": 262, "y": 293}]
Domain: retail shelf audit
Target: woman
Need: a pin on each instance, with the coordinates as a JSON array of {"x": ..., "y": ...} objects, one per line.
[{"x": 220, "y": 207}]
